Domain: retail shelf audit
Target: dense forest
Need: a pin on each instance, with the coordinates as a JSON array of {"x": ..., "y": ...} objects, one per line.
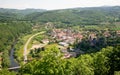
[
  {"x": 79, "y": 16},
  {"x": 101, "y": 59},
  {"x": 9, "y": 33}
]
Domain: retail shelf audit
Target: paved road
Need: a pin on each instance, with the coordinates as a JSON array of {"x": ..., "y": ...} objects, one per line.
[{"x": 26, "y": 45}]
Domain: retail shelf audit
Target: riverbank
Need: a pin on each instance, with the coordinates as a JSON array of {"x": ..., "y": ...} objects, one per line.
[{"x": 13, "y": 62}]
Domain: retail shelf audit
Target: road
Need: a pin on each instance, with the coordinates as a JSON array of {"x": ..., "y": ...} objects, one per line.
[{"x": 26, "y": 45}]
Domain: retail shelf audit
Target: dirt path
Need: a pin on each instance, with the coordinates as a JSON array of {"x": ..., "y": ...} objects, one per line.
[{"x": 26, "y": 45}]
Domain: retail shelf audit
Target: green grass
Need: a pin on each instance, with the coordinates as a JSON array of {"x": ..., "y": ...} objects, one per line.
[
  {"x": 51, "y": 46},
  {"x": 35, "y": 42}
]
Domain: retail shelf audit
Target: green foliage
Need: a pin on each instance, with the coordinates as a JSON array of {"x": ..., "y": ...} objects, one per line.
[
  {"x": 15, "y": 14},
  {"x": 117, "y": 73},
  {"x": 78, "y": 16},
  {"x": 99, "y": 63},
  {"x": 114, "y": 59},
  {"x": 84, "y": 65},
  {"x": 7, "y": 17},
  {"x": 11, "y": 31},
  {"x": 6, "y": 72},
  {"x": 47, "y": 65},
  {"x": 5, "y": 61},
  {"x": 39, "y": 38}
]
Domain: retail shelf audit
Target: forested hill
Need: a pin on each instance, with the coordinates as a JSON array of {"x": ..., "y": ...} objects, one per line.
[
  {"x": 23, "y": 11},
  {"x": 7, "y": 15},
  {"x": 81, "y": 16}
]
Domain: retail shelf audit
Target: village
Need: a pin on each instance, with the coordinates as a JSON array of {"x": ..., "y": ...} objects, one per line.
[{"x": 66, "y": 38}]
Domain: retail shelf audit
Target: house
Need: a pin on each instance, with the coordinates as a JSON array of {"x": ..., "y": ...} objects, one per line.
[
  {"x": 106, "y": 34},
  {"x": 118, "y": 32},
  {"x": 66, "y": 55},
  {"x": 92, "y": 36},
  {"x": 36, "y": 46},
  {"x": 66, "y": 36},
  {"x": 64, "y": 50},
  {"x": 45, "y": 41},
  {"x": 63, "y": 44}
]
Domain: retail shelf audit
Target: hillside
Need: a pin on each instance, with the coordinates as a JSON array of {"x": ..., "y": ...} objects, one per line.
[
  {"x": 22, "y": 11},
  {"x": 15, "y": 14},
  {"x": 78, "y": 16}
]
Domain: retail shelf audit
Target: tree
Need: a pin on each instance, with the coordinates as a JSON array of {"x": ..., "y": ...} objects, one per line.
[
  {"x": 100, "y": 64},
  {"x": 5, "y": 61},
  {"x": 6, "y": 72},
  {"x": 49, "y": 64},
  {"x": 84, "y": 65},
  {"x": 114, "y": 60}
]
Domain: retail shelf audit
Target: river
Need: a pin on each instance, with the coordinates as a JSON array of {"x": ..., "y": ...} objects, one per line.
[{"x": 13, "y": 62}]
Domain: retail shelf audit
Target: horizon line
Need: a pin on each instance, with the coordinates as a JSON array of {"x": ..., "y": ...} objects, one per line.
[{"x": 60, "y": 8}]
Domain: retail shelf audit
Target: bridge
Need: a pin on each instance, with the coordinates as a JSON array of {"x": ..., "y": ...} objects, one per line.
[{"x": 14, "y": 68}]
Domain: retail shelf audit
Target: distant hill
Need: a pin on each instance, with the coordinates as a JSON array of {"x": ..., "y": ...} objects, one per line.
[
  {"x": 82, "y": 16},
  {"x": 15, "y": 14},
  {"x": 7, "y": 17},
  {"x": 24, "y": 11},
  {"x": 28, "y": 11},
  {"x": 74, "y": 16}
]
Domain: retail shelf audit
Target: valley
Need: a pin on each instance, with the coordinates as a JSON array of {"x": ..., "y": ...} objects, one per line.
[{"x": 76, "y": 41}]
